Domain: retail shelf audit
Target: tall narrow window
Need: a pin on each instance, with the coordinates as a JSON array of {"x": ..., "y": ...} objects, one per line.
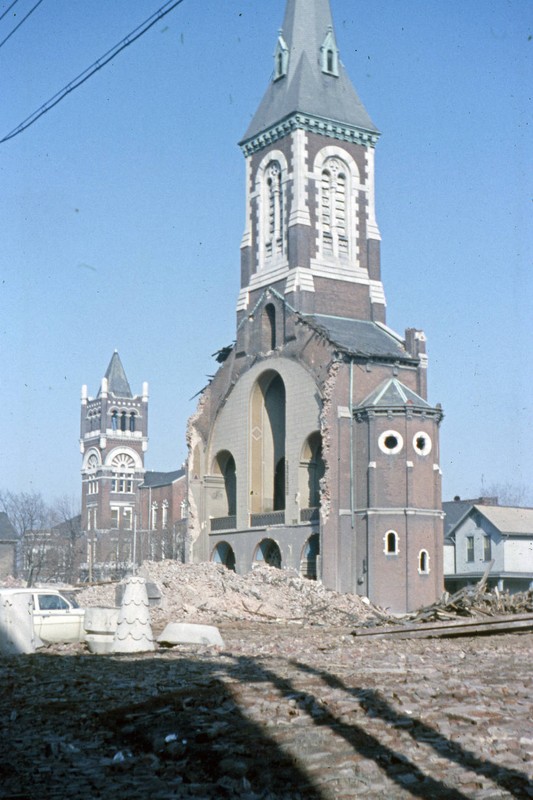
[
  {"x": 274, "y": 228},
  {"x": 114, "y": 420},
  {"x": 423, "y": 562},
  {"x": 268, "y": 325},
  {"x": 391, "y": 543},
  {"x": 132, "y": 421},
  {"x": 469, "y": 548},
  {"x": 334, "y": 221},
  {"x": 487, "y": 548},
  {"x": 123, "y": 421}
]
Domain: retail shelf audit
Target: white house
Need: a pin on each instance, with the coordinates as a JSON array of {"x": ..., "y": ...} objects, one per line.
[{"x": 486, "y": 533}]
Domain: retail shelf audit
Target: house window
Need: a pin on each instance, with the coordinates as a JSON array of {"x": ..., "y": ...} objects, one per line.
[
  {"x": 469, "y": 548},
  {"x": 115, "y": 517},
  {"x": 423, "y": 562},
  {"x": 487, "y": 548},
  {"x": 128, "y": 518},
  {"x": 391, "y": 543}
]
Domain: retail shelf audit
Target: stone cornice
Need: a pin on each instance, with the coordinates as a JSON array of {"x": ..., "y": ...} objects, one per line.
[{"x": 313, "y": 124}]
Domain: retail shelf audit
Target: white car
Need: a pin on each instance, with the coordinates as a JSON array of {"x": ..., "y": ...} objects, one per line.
[{"x": 56, "y": 615}]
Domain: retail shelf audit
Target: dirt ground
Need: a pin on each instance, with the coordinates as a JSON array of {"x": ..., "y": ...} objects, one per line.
[{"x": 292, "y": 706}]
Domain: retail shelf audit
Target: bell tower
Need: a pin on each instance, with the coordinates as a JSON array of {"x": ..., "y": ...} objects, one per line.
[
  {"x": 311, "y": 230},
  {"x": 113, "y": 441}
]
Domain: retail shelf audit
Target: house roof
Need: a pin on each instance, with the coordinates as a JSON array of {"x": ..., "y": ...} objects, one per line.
[
  {"x": 305, "y": 87},
  {"x": 117, "y": 382},
  {"x": 509, "y": 520},
  {"x": 456, "y": 510},
  {"x": 154, "y": 479},
  {"x": 360, "y": 337},
  {"x": 7, "y": 531}
]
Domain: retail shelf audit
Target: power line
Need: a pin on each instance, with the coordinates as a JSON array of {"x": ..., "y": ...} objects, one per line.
[
  {"x": 97, "y": 65},
  {"x": 9, "y": 35},
  {"x": 9, "y": 8}
]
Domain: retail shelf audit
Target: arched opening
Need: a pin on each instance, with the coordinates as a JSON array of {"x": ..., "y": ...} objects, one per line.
[
  {"x": 268, "y": 552},
  {"x": 391, "y": 543},
  {"x": 423, "y": 562},
  {"x": 123, "y": 421},
  {"x": 267, "y": 438},
  {"x": 225, "y": 466},
  {"x": 311, "y": 472},
  {"x": 308, "y": 563},
  {"x": 268, "y": 328},
  {"x": 132, "y": 421},
  {"x": 223, "y": 554},
  {"x": 114, "y": 420}
]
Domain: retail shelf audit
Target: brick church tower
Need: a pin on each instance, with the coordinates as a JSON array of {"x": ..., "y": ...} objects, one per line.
[
  {"x": 113, "y": 441},
  {"x": 315, "y": 447}
]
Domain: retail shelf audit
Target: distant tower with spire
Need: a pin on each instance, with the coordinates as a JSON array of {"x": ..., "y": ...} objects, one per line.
[
  {"x": 314, "y": 447},
  {"x": 113, "y": 441}
]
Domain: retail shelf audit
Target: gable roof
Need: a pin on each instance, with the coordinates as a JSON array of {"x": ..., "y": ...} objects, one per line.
[
  {"x": 305, "y": 87},
  {"x": 154, "y": 479},
  {"x": 509, "y": 520}
]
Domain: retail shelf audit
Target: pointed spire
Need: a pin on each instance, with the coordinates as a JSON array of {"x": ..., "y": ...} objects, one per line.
[
  {"x": 308, "y": 75},
  {"x": 117, "y": 382}
]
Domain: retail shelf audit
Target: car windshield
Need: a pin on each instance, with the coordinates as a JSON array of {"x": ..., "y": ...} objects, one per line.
[{"x": 71, "y": 597}]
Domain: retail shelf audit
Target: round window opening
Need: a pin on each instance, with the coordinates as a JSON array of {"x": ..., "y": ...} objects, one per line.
[
  {"x": 422, "y": 443},
  {"x": 390, "y": 442}
]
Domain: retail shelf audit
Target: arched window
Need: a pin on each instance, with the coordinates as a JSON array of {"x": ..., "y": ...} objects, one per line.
[
  {"x": 114, "y": 420},
  {"x": 273, "y": 211},
  {"x": 225, "y": 466},
  {"x": 132, "y": 421},
  {"x": 423, "y": 562},
  {"x": 123, "y": 466},
  {"x": 334, "y": 208},
  {"x": 308, "y": 563},
  {"x": 268, "y": 552},
  {"x": 223, "y": 554},
  {"x": 312, "y": 470},
  {"x": 391, "y": 543},
  {"x": 123, "y": 421}
]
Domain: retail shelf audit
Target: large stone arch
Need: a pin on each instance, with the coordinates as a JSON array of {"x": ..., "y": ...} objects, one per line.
[{"x": 267, "y": 443}]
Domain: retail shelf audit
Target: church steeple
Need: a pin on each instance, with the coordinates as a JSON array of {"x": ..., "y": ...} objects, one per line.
[
  {"x": 311, "y": 232},
  {"x": 308, "y": 75},
  {"x": 117, "y": 382}
]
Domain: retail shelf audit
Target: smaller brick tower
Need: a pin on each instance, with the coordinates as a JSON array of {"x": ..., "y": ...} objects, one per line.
[{"x": 114, "y": 438}]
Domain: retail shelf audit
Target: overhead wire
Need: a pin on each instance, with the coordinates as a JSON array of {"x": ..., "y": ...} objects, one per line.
[
  {"x": 22, "y": 21},
  {"x": 8, "y": 9},
  {"x": 97, "y": 65}
]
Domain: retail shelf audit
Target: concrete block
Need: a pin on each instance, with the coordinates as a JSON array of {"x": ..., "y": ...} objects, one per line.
[
  {"x": 100, "y": 627},
  {"x": 17, "y": 636},
  {"x": 190, "y": 633}
]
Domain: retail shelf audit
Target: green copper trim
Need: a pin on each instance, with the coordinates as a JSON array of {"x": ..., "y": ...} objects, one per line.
[{"x": 313, "y": 124}]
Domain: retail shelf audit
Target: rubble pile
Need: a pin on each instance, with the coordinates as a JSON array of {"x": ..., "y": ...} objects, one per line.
[
  {"x": 211, "y": 593},
  {"x": 471, "y": 601}
]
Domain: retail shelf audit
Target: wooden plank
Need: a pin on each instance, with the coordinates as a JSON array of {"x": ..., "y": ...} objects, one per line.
[{"x": 510, "y": 624}]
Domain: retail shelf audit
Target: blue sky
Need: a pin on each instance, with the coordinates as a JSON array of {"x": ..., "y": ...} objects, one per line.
[{"x": 122, "y": 210}]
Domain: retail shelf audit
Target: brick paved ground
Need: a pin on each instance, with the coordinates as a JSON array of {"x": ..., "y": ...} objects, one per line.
[{"x": 282, "y": 712}]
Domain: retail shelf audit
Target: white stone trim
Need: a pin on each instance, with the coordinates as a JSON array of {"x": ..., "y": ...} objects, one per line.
[
  {"x": 426, "y": 450},
  {"x": 300, "y": 278},
  {"x": 243, "y": 300},
  {"x": 372, "y": 225},
  {"x": 299, "y": 208},
  {"x": 377, "y": 293}
]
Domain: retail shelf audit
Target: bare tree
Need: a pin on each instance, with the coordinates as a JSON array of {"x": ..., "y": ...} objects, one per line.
[
  {"x": 68, "y": 536},
  {"x": 508, "y": 494},
  {"x": 30, "y": 517}
]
